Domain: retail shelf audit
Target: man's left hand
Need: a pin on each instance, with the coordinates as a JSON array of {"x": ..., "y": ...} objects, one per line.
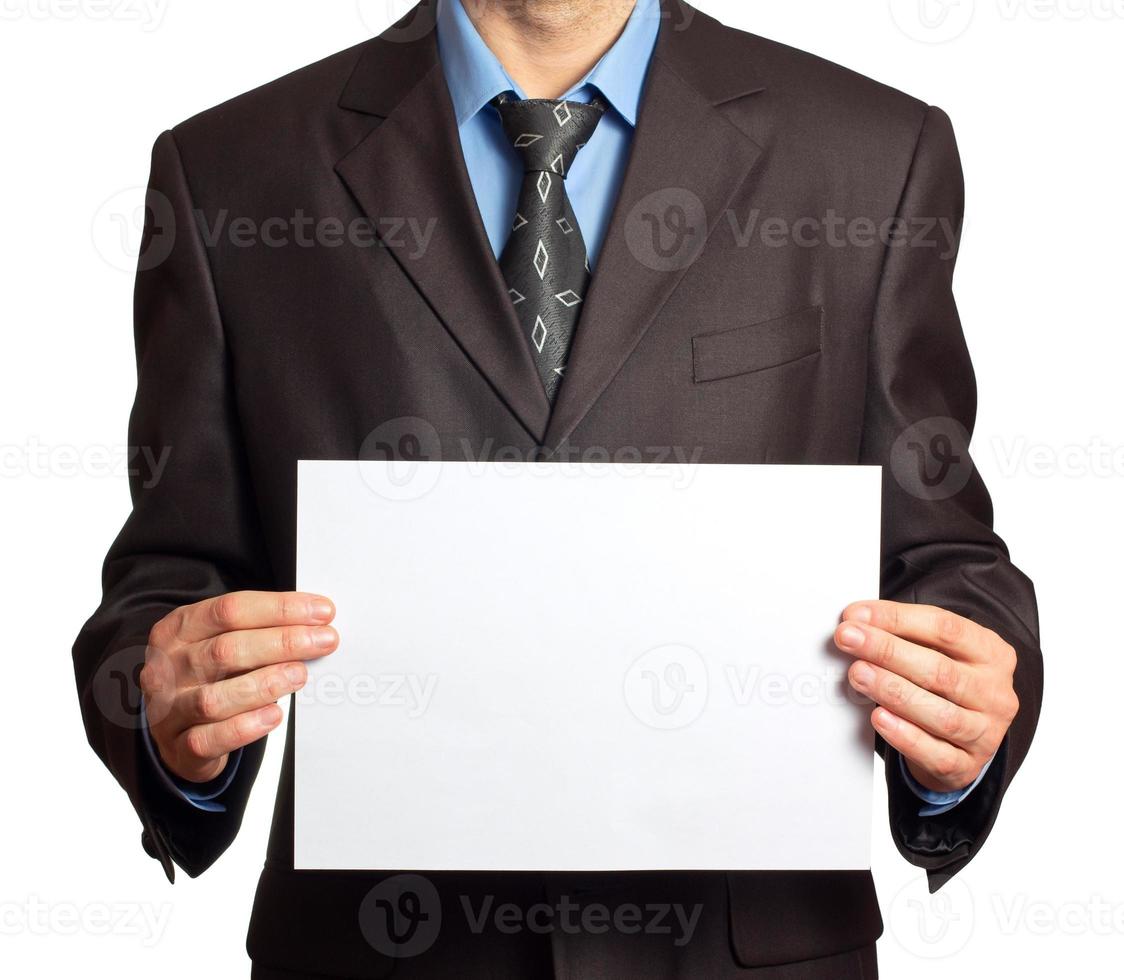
[{"x": 944, "y": 686}]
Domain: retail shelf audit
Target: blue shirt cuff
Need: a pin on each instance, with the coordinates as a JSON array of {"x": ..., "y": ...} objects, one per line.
[
  {"x": 938, "y": 803},
  {"x": 202, "y": 796}
]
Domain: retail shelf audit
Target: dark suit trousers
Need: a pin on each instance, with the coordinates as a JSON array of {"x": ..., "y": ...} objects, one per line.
[{"x": 680, "y": 929}]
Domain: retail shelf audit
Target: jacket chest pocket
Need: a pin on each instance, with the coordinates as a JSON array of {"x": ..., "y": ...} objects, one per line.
[{"x": 758, "y": 346}]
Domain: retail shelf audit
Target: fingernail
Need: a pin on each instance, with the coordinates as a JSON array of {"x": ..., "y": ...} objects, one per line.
[
  {"x": 270, "y": 716},
  {"x": 324, "y": 638},
  {"x": 883, "y": 719},
  {"x": 851, "y": 637},
  {"x": 295, "y": 674},
  {"x": 863, "y": 674},
  {"x": 862, "y": 614},
  {"x": 323, "y": 609}
]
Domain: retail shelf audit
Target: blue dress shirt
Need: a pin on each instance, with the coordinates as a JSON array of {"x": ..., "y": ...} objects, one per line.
[{"x": 475, "y": 77}]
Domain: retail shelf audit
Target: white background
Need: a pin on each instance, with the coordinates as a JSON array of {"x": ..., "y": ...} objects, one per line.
[{"x": 1034, "y": 89}]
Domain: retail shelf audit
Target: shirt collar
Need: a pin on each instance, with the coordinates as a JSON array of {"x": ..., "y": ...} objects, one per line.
[{"x": 475, "y": 76}]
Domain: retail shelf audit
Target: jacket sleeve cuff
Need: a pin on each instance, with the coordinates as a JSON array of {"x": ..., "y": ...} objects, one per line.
[{"x": 937, "y": 803}]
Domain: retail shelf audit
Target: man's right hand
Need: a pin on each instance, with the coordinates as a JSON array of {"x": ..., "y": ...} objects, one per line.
[{"x": 215, "y": 669}]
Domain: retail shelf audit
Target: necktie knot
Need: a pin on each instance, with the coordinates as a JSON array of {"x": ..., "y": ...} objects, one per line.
[{"x": 548, "y": 133}]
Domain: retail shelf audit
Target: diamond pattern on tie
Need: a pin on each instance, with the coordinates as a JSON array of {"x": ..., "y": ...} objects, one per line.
[
  {"x": 543, "y": 186},
  {"x": 541, "y": 259},
  {"x": 544, "y": 262}
]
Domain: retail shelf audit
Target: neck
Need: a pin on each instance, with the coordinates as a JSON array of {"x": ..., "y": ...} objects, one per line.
[{"x": 548, "y": 46}]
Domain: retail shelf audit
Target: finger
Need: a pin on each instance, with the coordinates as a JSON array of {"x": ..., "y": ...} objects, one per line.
[
  {"x": 951, "y": 767},
  {"x": 953, "y": 680},
  {"x": 202, "y": 744},
  {"x": 235, "y": 653},
  {"x": 248, "y": 611},
  {"x": 225, "y": 699},
  {"x": 930, "y": 626},
  {"x": 937, "y": 716}
]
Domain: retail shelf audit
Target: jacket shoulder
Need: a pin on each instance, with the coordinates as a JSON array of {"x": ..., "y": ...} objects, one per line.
[
  {"x": 811, "y": 92},
  {"x": 293, "y": 101}
]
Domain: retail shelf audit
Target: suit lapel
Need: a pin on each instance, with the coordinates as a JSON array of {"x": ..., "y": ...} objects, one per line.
[
  {"x": 688, "y": 153},
  {"x": 411, "y": 167},
  {"x": 688, "y": 158}
]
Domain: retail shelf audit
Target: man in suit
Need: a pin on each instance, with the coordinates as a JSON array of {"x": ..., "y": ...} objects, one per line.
[{"x": 559, "y": 229}]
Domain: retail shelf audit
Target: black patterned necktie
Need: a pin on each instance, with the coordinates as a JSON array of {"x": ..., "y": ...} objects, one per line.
[{"x": 544, "y": 262}]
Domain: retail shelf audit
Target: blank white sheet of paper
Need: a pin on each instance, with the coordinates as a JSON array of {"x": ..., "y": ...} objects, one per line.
[{"x": 584, "y": 667}]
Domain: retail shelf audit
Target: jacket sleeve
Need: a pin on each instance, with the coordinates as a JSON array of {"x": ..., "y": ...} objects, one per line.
[
  {"x": 193, "y": 531},
  {"x": 938, "y": 545}
]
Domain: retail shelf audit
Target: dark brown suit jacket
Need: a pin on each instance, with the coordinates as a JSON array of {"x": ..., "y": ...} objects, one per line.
[{"x": 704, "y": 330}]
